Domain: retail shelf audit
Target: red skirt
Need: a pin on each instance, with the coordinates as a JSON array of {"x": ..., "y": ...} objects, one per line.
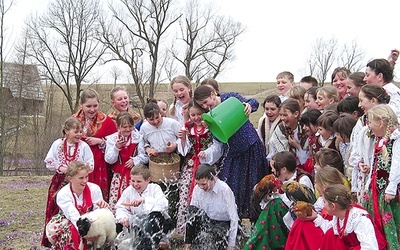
[{"x": 304, "y": 235}]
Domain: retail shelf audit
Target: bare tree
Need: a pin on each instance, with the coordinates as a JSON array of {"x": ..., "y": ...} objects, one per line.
[
  {"x": 4, "y": 8},
  {"x": 351, "y": 57},
  {"x": 322, "y": 57},
  {"x": 115, "y": 72},
  {"x": 135, "y": 39},
  {"x": 64, "y": 41},
  {"x": 207, "y": 41}
]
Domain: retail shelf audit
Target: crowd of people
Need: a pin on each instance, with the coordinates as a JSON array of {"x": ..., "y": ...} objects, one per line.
[{"x": 319, "y": 170}]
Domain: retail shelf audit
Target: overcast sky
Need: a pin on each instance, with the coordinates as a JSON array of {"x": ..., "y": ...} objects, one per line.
[{"x": 279, "y": 34}]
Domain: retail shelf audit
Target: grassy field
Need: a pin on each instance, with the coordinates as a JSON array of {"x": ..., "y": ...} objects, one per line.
[{"x": 23, "y": 198}]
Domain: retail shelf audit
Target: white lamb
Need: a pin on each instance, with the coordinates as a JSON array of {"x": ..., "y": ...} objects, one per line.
[{"x": 98, "y": 223}]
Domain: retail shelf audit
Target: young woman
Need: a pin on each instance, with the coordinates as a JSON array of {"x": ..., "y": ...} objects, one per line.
[
  {"x": 310, "y": 98},
  {"x": 124, "y": 150},
  {"x": 382, "y": 198},
  {"x": 61, "y": 153},
  {"x": 96, "y": 126},
  {"x": 76, "y": 198},
  {"x": 197, "y": 145},
  {"x": 289, "y": 135},
  {"x": 270, "y": 119},
  {"x": 354, "y": 83},
  {"x": 120, "y": 102},
  {"x": 182, "y": 90},
  {"x": 350, "y": 228},
  {"x": 339, "y": 81},
  {"x": 245, "y": 161},
  {"x": 310, "y": 127},
  {"x": 326, "y": 96}
]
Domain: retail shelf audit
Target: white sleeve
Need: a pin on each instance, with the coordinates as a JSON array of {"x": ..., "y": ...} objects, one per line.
[
  {"x": 305, "y": 180},
  {"x": 213, "y": 153},
  {"x": 52, "y": 161},
  {"x": 233, "y": 216},
  {"x": 65, "y": 202},
  {"x": 394, "y": 174},
  {"x": 325, "y": 225},
  {"x": 363, "y": 230},
  {"x": 112, "y": 152},
  {"x": 141, "y": 157},
  {"x": 157, "y": 201},
  {"x": 87, "y": 155},
  {"x": 122, "y": 211},
  {"x": 183, "y": 149}
]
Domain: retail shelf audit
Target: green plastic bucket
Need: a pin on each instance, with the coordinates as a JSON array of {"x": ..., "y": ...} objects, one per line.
[{"x": 226, "y": 118}]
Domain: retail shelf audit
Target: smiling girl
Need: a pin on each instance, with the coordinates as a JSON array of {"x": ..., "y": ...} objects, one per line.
[
  {"x": 197, "y": 145},
  {"x": 61, "y": 153},
  {"x": 96, "y": 126},
  {"x": 270, "y": 119},
  {"x": 124, "y": 150},
  {"x": 120, "y": 102},
  {"x": 326, "y": 96},
  {"x": 182, "y": 90},
  {"x": 339, "y": 81}
]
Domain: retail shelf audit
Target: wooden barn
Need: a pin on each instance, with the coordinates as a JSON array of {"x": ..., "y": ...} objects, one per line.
[{"x": 23, "y": 89}]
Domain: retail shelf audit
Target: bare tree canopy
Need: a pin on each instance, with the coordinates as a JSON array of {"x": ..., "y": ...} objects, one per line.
[
  {"x": 135, "y": 37},
  {"x": 206, "y": 41},
  {"x": 325, "y": 55},
  {"x": 64, "y": 43}
]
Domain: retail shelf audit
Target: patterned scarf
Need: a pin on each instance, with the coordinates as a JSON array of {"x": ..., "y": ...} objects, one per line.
[{"x": 90, "y": 127}]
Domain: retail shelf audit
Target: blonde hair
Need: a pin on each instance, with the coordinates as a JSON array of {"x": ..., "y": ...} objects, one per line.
[
  {"x": 383, "y": 112},
  {"x": 297, "y": 92},
  {"x": 116, "y": 89},
  {"x": 185, "y": 81},
  {"x": 71, "y": 123},
  {"x": 287, "y": 74},
  {"x": 339, "y": 194},
  {"x": 88, "y": 94},
  {"x": 330, "y": 92},
  {"x": 328, "y": 176},
  {"x": 75, "y": 166},
  {"x": 142, "y": 170}
]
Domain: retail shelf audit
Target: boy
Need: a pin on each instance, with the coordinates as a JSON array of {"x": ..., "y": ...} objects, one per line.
[
  {"x": 143, "y": 204},
  {"x": 212, "y": 212},
  {"x": 284, "y": 82},
  {"x": 308, "y": 82}
]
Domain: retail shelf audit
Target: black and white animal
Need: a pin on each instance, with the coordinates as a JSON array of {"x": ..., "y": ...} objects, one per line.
[{"x": 98, "y": 223}]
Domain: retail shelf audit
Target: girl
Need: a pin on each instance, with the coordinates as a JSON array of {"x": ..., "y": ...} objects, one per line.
[
  {"x": 197, "y": 145},
  {"x": 354, "y": 83},
  {"x": 62, "y": 152},
  {"x": 289, "y": 135},
  {"x": 350, "y": 105},
  {"x": 212, "y": 83},
  {"x": 75, "y": 199},
  {"x": 310, "y": 98},
  {"x": 163, "y": 105},
  {"x": 160, "y": 134},
  {"x": 124, "y": 150},
  {"x": 326, "y": 135},
  {"x": 120, "y": 102},
  {"x": 339, "y": 81},
  {"x": 245, "y": 160},
  {"x": 343, "y": 127},
  {"x": 326, "y": 96},
  {"x": 269, "y": 231},
  {"x": 96, "y": 126},
  {"x": 182, "y": 90},
  {"x": 362, "y": 138},
  {"x": 382, "y": 198},
  {"x": 297, "y": 93},
  {"x": 309, "y": 121},
  {"x": 270, "y": 119},
  {"x": 350, "y": 228},
  {"x": 380, "y": 72}
]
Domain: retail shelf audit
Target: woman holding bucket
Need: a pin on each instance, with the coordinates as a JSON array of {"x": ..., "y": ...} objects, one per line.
[{"x": 245, "y": 161}]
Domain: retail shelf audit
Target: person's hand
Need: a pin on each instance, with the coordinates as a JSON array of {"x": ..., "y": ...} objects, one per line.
[
  {"x": 312, "y": 217},
  {"x": 247, "y": 108},
  {"x": 171, "y": 146},
  {"x": 393, "y": 56},
  {"x": 125, "y": 222},
  {"x": 129, "y": 163},
  {"x": 151, "y": 151},
  {"x": 63, "y": 169},
  {"x": 182, "y": 134},
  {"x": 135, "y": 203},
  {"x": 102, "y": 204},
  {"x": 93, "y": 141},
  {"x": 389, "y": 197},
  {"x": 202, "y": 154},
  {"x": 121, "y": 142},
  {"x": 293, "y": 142},
  {"x": 364, "y": 168}
]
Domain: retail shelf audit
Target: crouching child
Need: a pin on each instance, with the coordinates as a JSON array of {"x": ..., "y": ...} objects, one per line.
[
  {"x": 212, "y": 216},
  {"x": 143, "y": 205}
]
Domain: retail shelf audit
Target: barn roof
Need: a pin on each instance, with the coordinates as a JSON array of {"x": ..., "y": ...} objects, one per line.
[{"x": 28, "y": 75}]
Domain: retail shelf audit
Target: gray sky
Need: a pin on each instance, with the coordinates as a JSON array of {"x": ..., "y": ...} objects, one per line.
[{"x": 279, "y": 34}]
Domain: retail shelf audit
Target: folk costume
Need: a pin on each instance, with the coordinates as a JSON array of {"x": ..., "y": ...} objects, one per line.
[
  {"x": 100, "y": 127},
  {"x": 60, "y": 154}
]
